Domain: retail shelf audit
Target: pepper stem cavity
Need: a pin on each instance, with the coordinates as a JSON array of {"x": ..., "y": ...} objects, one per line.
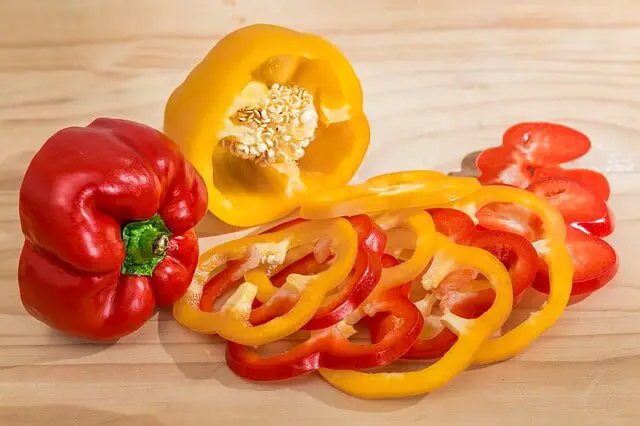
[
  {"x": 271, "y": 125},
  {"x": 145, "y": 245}
]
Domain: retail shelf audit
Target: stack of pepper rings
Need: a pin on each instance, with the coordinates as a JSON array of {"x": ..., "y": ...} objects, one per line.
[{"x": 398, "y": 255}]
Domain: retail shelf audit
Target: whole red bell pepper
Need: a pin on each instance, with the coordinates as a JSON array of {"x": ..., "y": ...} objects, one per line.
[{"x": 107, "y": 213}]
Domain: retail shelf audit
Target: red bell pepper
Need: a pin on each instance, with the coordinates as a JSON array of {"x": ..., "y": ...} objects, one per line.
[
  {"x": 331, "y": 348},
  {"x": 107, "y": 212}
]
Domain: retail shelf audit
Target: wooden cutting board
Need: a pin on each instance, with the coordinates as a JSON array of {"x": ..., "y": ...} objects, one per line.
[{"x": 441, "y": 79}]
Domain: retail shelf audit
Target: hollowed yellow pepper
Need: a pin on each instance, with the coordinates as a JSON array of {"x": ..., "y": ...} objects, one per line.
[
  {"x": 472, "y": 333},
  {"x": 554, "y": 252},
  {"x": 269, "y": 116},
  {"x": 231, "y": 321}
]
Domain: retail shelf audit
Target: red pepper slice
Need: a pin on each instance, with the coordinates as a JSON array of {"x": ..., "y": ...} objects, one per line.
[
  {"x": 454, "y": 224},
  {"x": 595, "y": 264},
  {"x": 361, "y": 281},
  {"x": 331, "y": 348},
  {"x": 514, "y": 251},
  {"x": 593, "y": 180},
  {"x": 503, "y": 165},
  {"x": 544, "y": 144},
  {"x": 580, "y": 207},
  {"x": 221, "y": 282},
  {"x": 510, "y": 218}
]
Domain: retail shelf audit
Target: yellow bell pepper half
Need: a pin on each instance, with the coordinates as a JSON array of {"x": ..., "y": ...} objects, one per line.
[{"x": 267, "y": 117}]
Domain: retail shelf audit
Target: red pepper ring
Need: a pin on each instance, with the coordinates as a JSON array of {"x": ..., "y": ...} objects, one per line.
[
  {"x": 331, "y": 348},
  {"x": 235, "y": 269},
  {"x": 514, "y": 251},
  {"x": 362, "y": 280}
]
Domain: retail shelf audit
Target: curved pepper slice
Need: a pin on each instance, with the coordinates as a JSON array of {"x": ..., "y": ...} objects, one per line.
[
  {"x": 544, "y": 144},
  {"x": 472, "y": 333},
  {"x": 592, "y": 179},
  {"x": 554, "y": 252},
  {"x": 503, "y": 165},
  {"x": 331, "y": 348},
  {"x": 580, "y": 207},
  {"x": 423, "y": 229},
  {"x": 456, "y": 290},
  {"x": 526, "y": 146},
  {"x": 361, "y": 281},
  {"x": 107, "y": 212},
  {"x": 267, "y": 117},
  {"x": 595, "y": 264},
  {"x": 387, "y": 192},
  {"x": 232, "y": 320}
]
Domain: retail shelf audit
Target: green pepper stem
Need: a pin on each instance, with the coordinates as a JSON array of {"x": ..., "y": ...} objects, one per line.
[{"x": 145, "y": 245}]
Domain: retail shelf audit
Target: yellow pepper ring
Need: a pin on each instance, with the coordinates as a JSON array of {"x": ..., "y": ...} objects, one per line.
[
  {"x": 422, "y": 226},
  {"x": 471, "y": 335},
  {"x": 232, "y": 320},
  {"x": 404, "y": 190},
  {"x": 269, "y": 115},
  {"x": 555, "y": 254}
]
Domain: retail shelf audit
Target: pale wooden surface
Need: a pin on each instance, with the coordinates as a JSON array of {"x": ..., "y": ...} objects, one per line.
[{"x": 442, "y": 78}]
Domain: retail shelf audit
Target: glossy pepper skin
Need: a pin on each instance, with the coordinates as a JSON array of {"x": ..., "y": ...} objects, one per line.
[
  {"x": 553, "y": 251},
  {"x": 331, "y": 348},
  {"x": 242, "y": 193},
  {"x": 107, "y": 212},
  {"x": 472, "y": 333},
  {"x": 232, "y": 320},
  {"x": 361, "y": 281},
  {"x": 457, "y": 292}
]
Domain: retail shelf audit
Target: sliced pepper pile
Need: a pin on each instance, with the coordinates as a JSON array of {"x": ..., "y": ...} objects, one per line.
[{"x": 430, "y": 270}]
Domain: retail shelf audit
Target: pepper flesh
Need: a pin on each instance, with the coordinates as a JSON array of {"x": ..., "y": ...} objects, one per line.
[
  {"x": 107, "y": 212},
  {"x": 386, "y": 192},
  {"x": 423, "y": 229},
  {"x": 471, "y": 335},
  {"x": 223, "y": 97},
  {"x": 331, "y": 348},
  {"x": 232, "y": 320},
  {"x": 456, "y": 289},
  {"x": 361, "y": 281},
  {"x": 553, "y": 251}
]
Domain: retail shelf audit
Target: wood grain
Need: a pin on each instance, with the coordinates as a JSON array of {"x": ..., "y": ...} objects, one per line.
[{"x": 441, "y": 80}]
